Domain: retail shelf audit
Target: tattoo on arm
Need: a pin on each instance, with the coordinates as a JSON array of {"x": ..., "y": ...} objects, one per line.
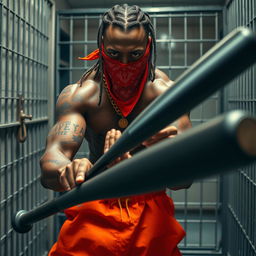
[
  {"x": 66, "y": 90},
  {"x": 65, "y": 93},
  {"x": 68, "y": 128},
  {"x": 63, "y": 108},
  {"x": 62, "y": 128},
  {"x": 55, "y": 162},
  {"x": 78, "y": 133},
  {"x": 78, "y": 98}
]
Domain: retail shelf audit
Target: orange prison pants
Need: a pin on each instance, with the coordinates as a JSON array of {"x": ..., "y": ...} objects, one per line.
[{"x": 137, "y": 226}]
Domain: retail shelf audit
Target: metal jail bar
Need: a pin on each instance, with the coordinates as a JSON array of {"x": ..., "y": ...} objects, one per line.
[
  {"x": 183, "y": 34},
  {"x": 24, "y": 70},
  {"x": 240, "y": 188}
]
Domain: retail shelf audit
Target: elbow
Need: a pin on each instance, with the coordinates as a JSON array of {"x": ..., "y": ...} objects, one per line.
[
  {"x": 43, "y": 182},
  {"x": 50, "y": 184},
  {"x": 42, "y": 177}
]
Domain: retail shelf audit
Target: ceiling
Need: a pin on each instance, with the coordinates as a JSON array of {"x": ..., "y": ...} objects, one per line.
[{"x": 149, "y": 3}]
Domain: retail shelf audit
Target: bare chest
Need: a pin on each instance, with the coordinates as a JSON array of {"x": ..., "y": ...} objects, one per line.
[
  {"x": 102, "y": 118},
  {"x": 105, "y": 117}
]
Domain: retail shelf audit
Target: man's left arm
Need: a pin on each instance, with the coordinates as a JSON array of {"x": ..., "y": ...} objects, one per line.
[{"x": 177, "y": 127}]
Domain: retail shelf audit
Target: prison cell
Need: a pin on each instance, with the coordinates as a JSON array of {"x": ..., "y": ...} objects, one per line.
[{"x": 183, "y": 35}]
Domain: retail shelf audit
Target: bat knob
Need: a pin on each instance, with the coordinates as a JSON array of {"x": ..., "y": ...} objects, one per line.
[{"x": 17, "y": 224}]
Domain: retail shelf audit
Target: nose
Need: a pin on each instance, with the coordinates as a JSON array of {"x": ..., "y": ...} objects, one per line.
[{"x": 124, "y": 59}]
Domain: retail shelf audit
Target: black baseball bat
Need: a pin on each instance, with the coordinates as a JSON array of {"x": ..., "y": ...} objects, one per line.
[
  {"x": 225, "y": 143},
  {"x": 226, "y": 60}
]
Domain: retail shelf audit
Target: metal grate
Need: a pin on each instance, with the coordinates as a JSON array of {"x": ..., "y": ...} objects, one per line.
[
  {"x": 240, "y": 188},
  {"x": 183, "y": 35},
  {"x": 24, "y": 70}
]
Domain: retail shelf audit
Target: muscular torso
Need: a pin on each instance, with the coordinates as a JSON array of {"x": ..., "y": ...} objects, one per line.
[{"x": 102, "y": 118}]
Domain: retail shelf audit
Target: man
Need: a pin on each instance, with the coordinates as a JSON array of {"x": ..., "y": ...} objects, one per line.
[{"x": 106, "y": 99}]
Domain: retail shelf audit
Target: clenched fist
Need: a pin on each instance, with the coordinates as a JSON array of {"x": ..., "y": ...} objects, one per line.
[{"x": 74, "y": 173}]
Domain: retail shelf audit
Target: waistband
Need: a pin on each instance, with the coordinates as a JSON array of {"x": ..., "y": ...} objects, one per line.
[
  {"x": 137, "y": 198},
  {"x": 125, "y": 202}
]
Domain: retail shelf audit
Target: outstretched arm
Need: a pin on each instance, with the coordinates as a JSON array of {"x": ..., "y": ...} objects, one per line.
[{"x": 59, "y": 171}]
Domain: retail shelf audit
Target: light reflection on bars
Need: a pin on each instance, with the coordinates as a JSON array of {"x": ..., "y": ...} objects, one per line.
[{"x": 23, "y": 70}]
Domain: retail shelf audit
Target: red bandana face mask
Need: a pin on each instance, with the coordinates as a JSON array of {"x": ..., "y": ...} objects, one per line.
[{"x": 125, "y": 82}]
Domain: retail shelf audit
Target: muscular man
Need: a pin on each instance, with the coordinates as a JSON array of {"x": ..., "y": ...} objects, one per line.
[{"x": 99, "y": 107}]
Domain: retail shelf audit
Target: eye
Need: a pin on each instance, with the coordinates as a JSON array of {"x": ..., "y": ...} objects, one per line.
[
  {"x": 136, "y": 54},
  {"x": 112, "y": 53}
]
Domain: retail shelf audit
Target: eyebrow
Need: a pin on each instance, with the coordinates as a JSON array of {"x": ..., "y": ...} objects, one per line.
[
  {"x": 135, "y": 50},
  {"x": 112, "y": 50}
]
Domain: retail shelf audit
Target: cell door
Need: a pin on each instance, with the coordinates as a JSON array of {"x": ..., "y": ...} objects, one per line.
[{"x": 24, "y": 84}]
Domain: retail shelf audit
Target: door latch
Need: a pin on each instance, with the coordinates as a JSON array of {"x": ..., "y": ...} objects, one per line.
[{"x": 22, "y": 131}]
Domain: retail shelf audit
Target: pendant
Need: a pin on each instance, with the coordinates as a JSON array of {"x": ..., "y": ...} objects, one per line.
[{"x": 123, "y": 123}]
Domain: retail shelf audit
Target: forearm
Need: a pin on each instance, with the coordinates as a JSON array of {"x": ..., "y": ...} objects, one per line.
[
  {"x": 51, "y": 164},
  {"x": 183, "y": 123},
  {"x": 63, "y": 141}
]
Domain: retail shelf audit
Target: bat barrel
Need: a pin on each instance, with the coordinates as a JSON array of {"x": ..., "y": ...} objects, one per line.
[
  {"x": 226, "y": 60},
  {"x": 222, "y": 144}
]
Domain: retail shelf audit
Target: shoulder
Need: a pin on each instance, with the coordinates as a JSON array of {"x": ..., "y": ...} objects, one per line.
[
  {"x": 160, "y": 84},
  {"x": 77, "y": 97}
]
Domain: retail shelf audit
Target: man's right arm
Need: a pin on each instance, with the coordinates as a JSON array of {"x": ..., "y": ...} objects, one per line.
[{"x": 59, "y": 171}]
